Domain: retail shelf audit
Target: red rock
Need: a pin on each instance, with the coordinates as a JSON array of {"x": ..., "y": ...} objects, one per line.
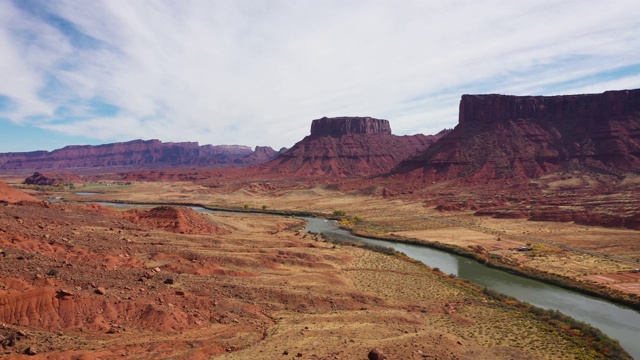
[
  {"x": 347, "y": 146},
  {"x": 12, "y": 195},
  {"x": 339, "y": 126},
  {"x": 53, "y": 178},
  {"x": 501, "y": 137},
  {"x": 261, "y": 154},
  {"x": 176, "y": 219},
  {"x": 145, "y": 154},
  {"x": 100, "y": 291},
  {"x": 376, "y": 354}
]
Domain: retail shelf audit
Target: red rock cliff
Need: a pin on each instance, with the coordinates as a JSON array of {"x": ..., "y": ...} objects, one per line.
[
  {"x": 339, "y": 126},
  {"x": 347, "y": 146},
  {"x": 138, "y": 154},
  {"x": 501, "y": 136},
  {"x": 53, "y": 178},
  {"x": 558, "y": 109}
]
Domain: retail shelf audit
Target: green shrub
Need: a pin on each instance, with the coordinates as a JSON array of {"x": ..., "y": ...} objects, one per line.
[{"x": 53, "y": 272}]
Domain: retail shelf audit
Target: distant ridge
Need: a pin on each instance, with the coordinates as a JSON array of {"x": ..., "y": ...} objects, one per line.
[{"x": 137, "y": 154}]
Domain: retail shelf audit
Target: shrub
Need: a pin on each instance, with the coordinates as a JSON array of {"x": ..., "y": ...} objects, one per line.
[{"x": 53, "y": 272}]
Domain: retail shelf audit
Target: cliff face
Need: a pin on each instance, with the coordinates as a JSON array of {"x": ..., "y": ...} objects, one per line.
[
  {"x": 133, "y": 154},
  {"x": 348, "y": 146},
  {"x": 500, "y": 136},
  {"x": 348, "y": 126},
  {"x": 261, "y": 155},
  {"x": 568, "y": 109}
]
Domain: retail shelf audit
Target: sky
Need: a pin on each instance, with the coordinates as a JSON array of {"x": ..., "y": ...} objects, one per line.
[{"x": 257, "y": 72}]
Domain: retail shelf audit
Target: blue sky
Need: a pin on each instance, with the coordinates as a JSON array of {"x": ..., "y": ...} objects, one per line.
[{"x": 257, "y": 72}]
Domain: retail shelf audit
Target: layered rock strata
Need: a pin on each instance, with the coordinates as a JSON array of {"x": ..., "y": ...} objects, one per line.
[
  {"x": 501, "y": 137},
  {"x": 348, "y": 146},
  {"x": 138, "y": 154}
]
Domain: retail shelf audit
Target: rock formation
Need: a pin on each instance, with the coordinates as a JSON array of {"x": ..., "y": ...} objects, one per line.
[
  {"x": 176, "y": 219},
  {"x": 348, "y": 146},
  {"x": 349, "y": 125},
  {"x": 146, "y": 154},
  {"x": 501, "y": 136},
  {"x": 260, "y": 155},
  {"x": 54, "y": 178}
]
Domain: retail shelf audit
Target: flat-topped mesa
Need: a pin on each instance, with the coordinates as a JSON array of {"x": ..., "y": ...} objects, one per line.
[
  {"x": 347, "y": 147},
  {"x": 504, "y": 136},
  {"x": 586, "y": 107},
  {"x": 345, "y": 125}
]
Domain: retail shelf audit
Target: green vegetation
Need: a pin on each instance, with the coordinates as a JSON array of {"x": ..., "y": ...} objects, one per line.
[
  {"x": 53, "y": 272},
  {"x": 347, "y": 220},
  {"x": 117, "y": 184},
  {"x": 339, "y": 213},
  {"x": 56, "y": 187}
]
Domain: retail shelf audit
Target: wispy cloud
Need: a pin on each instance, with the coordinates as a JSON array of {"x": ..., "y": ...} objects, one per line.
[{"x": 257, "y": 72}]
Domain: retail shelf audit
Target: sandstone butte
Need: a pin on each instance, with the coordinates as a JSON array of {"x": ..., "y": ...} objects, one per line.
[
  {"x": 135, "y": 155},
  {"x": 53, "y": 178},
  {"x": 347, "y": 146},
  {"x": 524, "y": 137}
]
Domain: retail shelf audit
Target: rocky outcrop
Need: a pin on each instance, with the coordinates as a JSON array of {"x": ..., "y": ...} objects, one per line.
[
  {"x": 348, "y": 146},
  {"x": 146, "y": 154},
  {"x": 55, "y": 178},
  {"x": 349, "y": 125},
  {"x": 568, "y": 109},
  {"x": 176, "y": 219},
  {"x": 502, "y": 137},
  {"x": 260, "y": 155}
]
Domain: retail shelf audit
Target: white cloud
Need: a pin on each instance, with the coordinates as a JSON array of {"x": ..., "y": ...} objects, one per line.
[
  {"x": 23, "y": 64},
  {"x": 257, "y": 72}
]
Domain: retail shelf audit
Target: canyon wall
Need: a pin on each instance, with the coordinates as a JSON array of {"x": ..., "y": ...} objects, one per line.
[
  {"x": 348, "y": 146},
  {"x": 339, "y": 126},
  {"x": 136, "y": 154},
  {"x": 501, "y": 136}
]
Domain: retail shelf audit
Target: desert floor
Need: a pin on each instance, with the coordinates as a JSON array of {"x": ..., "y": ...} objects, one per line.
[
  {"x": 87, "y": 281},
  {"x": 604, "y": 255}
]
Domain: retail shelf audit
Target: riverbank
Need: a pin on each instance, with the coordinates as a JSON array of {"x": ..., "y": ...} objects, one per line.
[
  {"x": 504, "y": 264},
  {"x": 492, "y": 260},
  {"x": 579, "y": 332}
]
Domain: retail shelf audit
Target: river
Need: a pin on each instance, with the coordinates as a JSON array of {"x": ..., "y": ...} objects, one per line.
[{"x": 617, "y": 321}]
